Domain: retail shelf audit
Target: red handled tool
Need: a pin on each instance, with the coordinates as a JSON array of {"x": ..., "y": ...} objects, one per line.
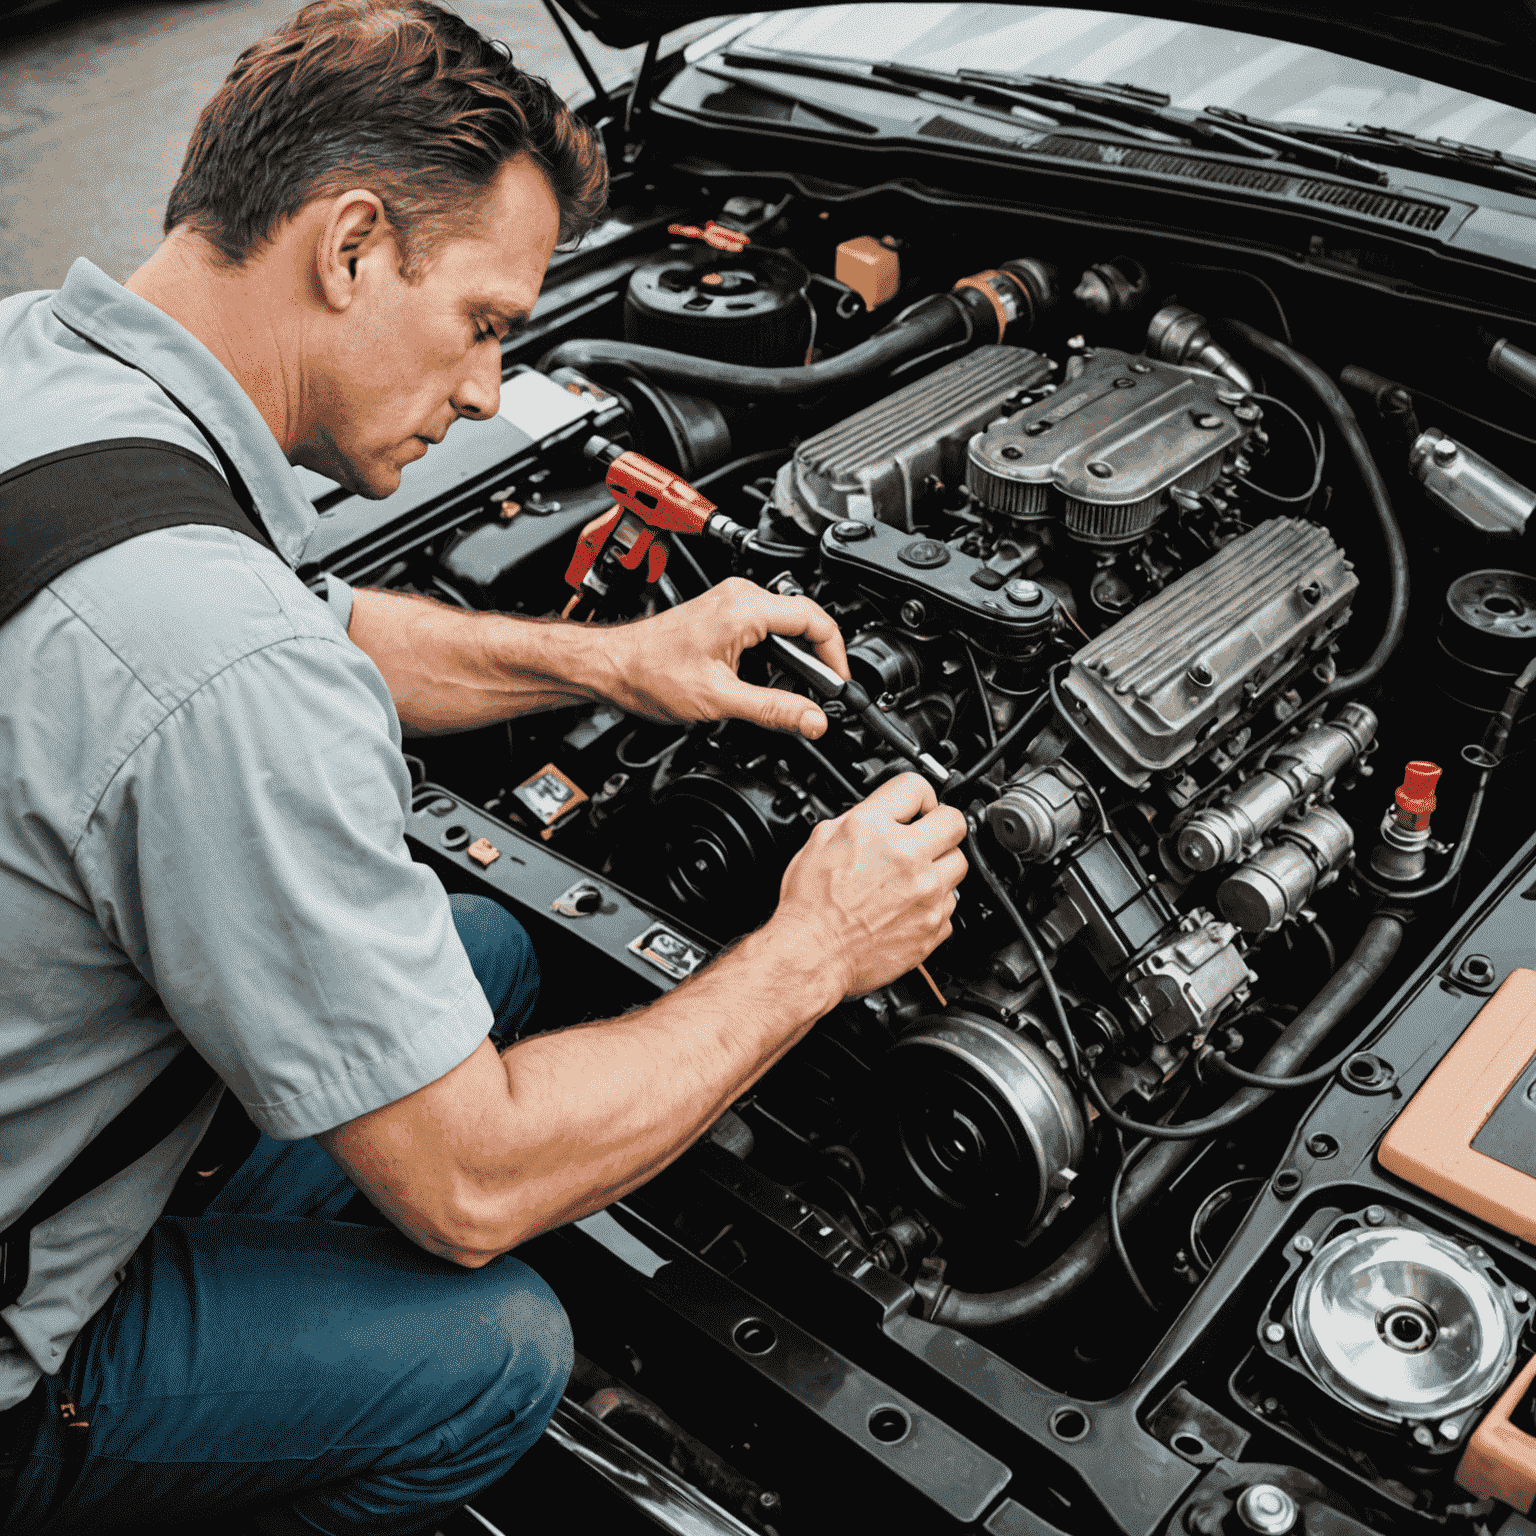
[{"x": 651, "y": 502}]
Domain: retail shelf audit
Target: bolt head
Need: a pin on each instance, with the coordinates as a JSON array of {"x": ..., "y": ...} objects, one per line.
[
  {"x": 1445, "y": 451},
  {"x": 1100, "y": 470},
  {"x": 1275, "y": 1333},
  {"x": 1521, "y": 1299},
  {"x": 1246, "y": 412},
  {"x": 1374, "y": 1215},
  {"x": 1023, "y": 592},
  {"x": 1450, "y": 1429},
  {"x": 1141, "y": 367},
  {"x": 1302, "y": 1243},
  {"x": 913, "y": 613},
  {"x": 1035, "y": 428},
  {"x": 1123, "y": 383},
  {"x": 1422, "y": 1436},
  {"x": 1201, "y": 675},
  {"x": 1011, "y": 451},
  {"x": 1207, "y": 421}
]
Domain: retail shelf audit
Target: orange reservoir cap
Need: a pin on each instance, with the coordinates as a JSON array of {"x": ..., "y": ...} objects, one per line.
[
  {"x": 1416, "y": 795},
  {"x": 871, "y": 269}
]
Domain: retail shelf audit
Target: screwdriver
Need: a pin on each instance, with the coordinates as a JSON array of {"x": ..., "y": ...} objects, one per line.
[{"x": 826, "y": 682}]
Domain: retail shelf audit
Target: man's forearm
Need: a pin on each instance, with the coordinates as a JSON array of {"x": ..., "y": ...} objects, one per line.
[
  {"x": 449, "y": 670},
  {"x": 579, "y": 1117}
]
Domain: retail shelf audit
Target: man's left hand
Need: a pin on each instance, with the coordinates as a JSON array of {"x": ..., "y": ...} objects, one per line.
[{"x": 680, "y": 666}]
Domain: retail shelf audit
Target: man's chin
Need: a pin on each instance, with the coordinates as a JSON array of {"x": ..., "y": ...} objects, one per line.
[{"x": 374, "y": 484}]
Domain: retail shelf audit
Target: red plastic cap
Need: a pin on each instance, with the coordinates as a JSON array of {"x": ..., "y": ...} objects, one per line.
[{"x": 1416, "y": 795}]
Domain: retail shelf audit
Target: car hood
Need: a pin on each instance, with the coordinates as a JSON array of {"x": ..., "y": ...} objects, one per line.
[{"x": 1485, "y": 47}]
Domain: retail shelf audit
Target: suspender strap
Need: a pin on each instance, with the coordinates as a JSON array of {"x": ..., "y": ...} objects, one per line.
[
  {"x": 60, "y": 509},
  {"x": 56, "y": 511},
  {"x": 143, "y": 1124}
]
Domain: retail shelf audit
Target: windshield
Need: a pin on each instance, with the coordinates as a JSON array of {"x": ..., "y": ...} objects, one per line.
[{"x": 1196, "y": 66}]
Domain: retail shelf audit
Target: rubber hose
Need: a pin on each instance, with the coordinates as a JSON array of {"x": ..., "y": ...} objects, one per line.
[
  {"x": 939, "y": 319},
  {"x": 1332, "y": 400},
  {"x": 1339, "y": 997}
]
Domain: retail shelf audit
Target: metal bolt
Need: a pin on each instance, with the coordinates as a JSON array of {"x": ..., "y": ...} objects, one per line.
[
  {"x": 1450, "y": 1429},
  {"x": 1011, "y": 451},
  {"x": 1275, "y": 1333},
  {"x": 913, "y": 613},
  {"x": 1025, "y": 593},
  {"x": 767, "y": 1500},
  {"x": 1247, "y": 412},
  {"x": 1302, "y": 1243},
  {"x": 1474, "y": 1252},
  {"x": 1445, "y": 451},
  {"x": 1125, "y": 383},
  {"x": 1309, "y": 592},
  {"x": 1035, "y": 428},
  {"x": 1201, "y": 675},
  {"x": 1475, "y": 970},
  {"x": 1099, "y": 469},
  {"x": 1374, "y": 1215},
  {"x": 1422, "y": 1436},
  {"x": 1520, "y": 1299},
  {"x": 1141, "y": 367},
  {"x": 1207, "y": 421},
  {"x": 1267, "y": 1509}
]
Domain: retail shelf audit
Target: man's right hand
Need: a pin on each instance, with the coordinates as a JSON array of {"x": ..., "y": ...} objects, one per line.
[{"x": 874, "y": 889}]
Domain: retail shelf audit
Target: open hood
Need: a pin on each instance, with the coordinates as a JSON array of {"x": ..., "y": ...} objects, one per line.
[{"x": 1485, "y": 47}]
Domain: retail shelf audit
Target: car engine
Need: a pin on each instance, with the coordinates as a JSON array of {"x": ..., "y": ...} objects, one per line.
[{"x": 1138, "y": 582}]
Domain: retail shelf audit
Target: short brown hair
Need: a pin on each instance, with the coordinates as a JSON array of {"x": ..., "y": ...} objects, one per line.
[{"x": 401, "y": 97}]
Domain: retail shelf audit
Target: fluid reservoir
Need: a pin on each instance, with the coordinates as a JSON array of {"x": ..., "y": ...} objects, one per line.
[{"x": 748, "y": 306}]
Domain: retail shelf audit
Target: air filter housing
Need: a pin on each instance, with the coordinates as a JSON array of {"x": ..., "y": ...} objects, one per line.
[
  {"x": 748, "y": 307},
  {"x": 1106, "y": 452}
]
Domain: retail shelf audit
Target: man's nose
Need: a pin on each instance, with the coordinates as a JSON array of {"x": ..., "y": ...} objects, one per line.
[{"x": 478, "y": 393}]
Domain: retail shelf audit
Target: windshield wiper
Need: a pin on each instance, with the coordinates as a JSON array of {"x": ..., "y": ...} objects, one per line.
[
  {"x": 1137, "y": 107},
  {"x": 1306, "y": 150},
  {"x": 1397, "y": 141},
  {"x": 982, "y": 87}
]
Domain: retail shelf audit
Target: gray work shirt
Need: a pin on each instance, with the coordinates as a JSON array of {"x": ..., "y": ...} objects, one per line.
[{"x": 202, "y": 809}]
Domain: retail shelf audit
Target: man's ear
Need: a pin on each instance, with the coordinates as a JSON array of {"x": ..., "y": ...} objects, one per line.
[{"x": 355, "y": 230}]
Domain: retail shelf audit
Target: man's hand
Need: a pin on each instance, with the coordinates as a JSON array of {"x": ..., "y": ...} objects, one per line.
[
  {"x": 680, "y": 666},
  {"x": 875, "y": 888}
]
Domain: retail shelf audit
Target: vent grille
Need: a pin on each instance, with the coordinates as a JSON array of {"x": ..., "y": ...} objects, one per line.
[
  {"x": 963, "y": 133},
  {"x": 1368, "y": 202}
]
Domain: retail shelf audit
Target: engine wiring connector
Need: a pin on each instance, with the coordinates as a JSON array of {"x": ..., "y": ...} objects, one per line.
[{"x": 1400, "y": 855}]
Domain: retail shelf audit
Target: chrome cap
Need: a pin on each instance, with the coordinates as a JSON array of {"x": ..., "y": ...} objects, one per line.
[{"x": 1400, "y": 1324}]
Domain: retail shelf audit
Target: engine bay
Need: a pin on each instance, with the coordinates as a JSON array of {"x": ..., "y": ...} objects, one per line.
[{"x": 1221, "y": 647}]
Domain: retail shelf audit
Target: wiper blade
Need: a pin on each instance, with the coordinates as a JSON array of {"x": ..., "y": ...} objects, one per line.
[
  {"x": 1516, "y": 168},
  {"x": 1303, "y": 149},
  {"x": 1006, "y": 91},
  {"x": 1152, "y": 107}
]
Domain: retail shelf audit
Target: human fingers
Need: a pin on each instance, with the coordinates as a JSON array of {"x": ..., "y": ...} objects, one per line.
[
  {"x": 950, "y": 869},
  {"x": 937, "y": 832},
  {"x": 903, "y": 799},
  {"x": 775, "y": 708},
  {"x": 801, "y": 616}
]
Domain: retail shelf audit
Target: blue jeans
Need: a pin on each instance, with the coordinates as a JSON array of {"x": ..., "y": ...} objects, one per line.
[{"x": 291, "y": 1373}]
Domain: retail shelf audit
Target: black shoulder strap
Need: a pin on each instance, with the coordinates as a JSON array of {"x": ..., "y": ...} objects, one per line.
[
  {"x": 58, "y": 510},
  {"x": 146, "y": 1121}
]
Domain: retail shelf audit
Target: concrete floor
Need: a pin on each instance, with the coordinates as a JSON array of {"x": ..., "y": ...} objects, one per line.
[{"x": 96, "y": 109}]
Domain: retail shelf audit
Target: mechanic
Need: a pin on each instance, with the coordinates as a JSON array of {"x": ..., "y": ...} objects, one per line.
[{"x": 202, "y": 802}]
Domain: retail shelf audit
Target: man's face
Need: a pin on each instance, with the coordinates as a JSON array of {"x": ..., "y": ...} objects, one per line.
[{"x": 407, "y": 359}]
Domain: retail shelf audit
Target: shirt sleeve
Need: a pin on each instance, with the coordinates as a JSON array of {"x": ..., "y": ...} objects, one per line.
[
  {"x": 338, "y": 594},
  {"x": 254, "y": 867}
]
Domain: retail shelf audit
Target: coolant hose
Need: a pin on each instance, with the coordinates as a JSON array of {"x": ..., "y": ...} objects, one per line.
[
  {"x": 1344, "y": 992},
  {"x": 935, "y": 321},
  {"x": 1339, "y": 411}
]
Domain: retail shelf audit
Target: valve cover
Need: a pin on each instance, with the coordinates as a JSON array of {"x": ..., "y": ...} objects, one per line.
[{"x": 1165, "y": 679}]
